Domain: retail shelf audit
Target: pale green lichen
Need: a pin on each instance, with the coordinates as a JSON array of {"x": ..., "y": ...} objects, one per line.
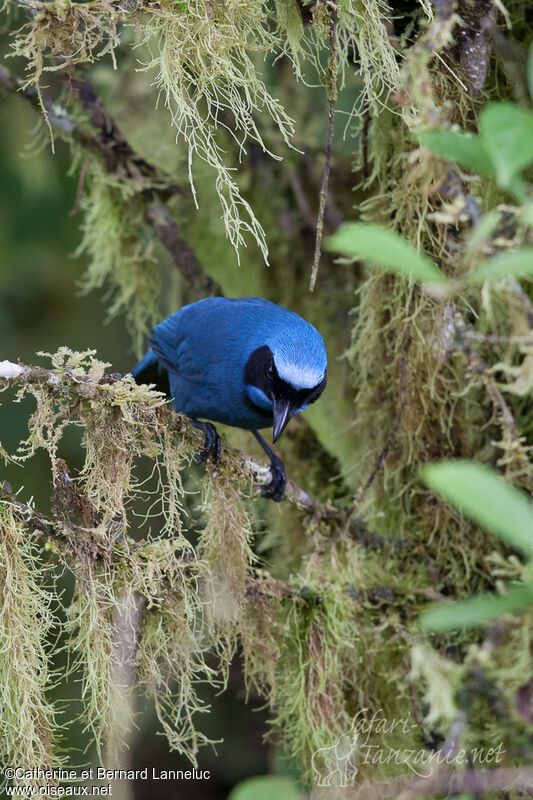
[
  {"x": 29, "y": 729},
  {"x": 308, "y": 695},
  {"x": 207, "y": 65},
  {"x": 225, "y": 544},
  {"x": 172, "y": 659},
  {"x": 143, "y": 618},
  {"x": 120, "y": 249},
  {"x": 441, "y": 678},
  {"x": 203, "y": 59},
  {"x": 91, "y": 629},
  {"x": 61, "y": 34}
]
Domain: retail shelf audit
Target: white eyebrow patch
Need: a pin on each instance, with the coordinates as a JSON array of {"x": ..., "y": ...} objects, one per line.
[{"x": 298, "y": 375}]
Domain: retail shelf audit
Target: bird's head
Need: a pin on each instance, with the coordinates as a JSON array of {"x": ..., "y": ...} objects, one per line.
[{"x": 285, "y": 379}]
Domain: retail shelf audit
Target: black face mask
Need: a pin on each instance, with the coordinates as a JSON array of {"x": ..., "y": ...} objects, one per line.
[{"x": 260, "y": 371}]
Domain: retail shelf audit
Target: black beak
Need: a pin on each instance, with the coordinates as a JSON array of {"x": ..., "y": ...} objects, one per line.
[{"x": 282, "y": 414}]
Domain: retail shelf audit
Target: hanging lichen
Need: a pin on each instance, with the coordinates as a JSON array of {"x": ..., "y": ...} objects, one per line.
[
  {"x": 28, "y": 734},
  {"x": 120, "y": 250},
  {"x": 207, "y": 65}
]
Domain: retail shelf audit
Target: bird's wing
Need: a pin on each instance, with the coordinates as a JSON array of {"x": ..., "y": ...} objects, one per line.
[
  {"x": 147, "y": 362},
  {"x": 149, "y": 370},
  {"x": 169, "y": 342}
]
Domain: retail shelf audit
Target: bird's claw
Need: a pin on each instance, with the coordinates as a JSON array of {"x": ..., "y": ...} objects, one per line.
[
  {"x": 212, "y": 442},
  {"x": 275, "y": 490}
]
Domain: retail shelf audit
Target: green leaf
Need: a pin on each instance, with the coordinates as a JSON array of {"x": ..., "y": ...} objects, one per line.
[
  {"x": 517, "y": 188},
  {"x": 476, "y": 610},
  {"x": 519, "y": 263},
  {"x": 485, "y": 497},
  {"x": 264, "y": 787},
  {"x": 527, "y": 213},
  {"x": 467, "y": 151},
  {"x": 508, "y": 139},
  {"x": 384, "y": 248}
]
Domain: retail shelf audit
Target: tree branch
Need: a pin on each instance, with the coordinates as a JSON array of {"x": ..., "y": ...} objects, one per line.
[
  {"x": 183, "y": 256},
  {"x": 87, "y": 388},
  {"x": 119, "y": 159}
]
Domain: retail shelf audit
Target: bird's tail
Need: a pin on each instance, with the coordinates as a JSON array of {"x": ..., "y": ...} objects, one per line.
[{"x": 149, "y": 370}]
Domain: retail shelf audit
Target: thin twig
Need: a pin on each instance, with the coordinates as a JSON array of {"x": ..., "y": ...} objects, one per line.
[
  {"x": 491, "y": 338},
  {"x": 332, "y": 97}
]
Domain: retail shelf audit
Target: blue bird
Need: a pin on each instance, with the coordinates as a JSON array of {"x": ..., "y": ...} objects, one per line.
[{"x": 244, "y": 362}]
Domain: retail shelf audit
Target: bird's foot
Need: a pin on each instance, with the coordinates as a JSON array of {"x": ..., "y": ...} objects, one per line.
[
  {"x": 212, "y": 442},
  {"x": 275, "y": 490}
]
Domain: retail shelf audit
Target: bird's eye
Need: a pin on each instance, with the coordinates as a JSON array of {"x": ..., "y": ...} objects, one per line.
[{"x": 270, "y": 371}]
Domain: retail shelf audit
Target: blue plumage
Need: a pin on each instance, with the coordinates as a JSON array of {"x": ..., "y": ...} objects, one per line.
[{"x": 244, "y": 362}]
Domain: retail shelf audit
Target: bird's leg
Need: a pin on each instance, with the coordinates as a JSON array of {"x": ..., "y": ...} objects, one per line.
[
  {"x": 212, "y": 442},
  {"x": 276, "y": 488}
]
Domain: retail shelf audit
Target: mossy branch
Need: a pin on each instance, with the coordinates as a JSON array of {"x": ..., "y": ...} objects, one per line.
[
  {"x": 113, "y": 390},
  {"x": 105, "y": 140}
]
